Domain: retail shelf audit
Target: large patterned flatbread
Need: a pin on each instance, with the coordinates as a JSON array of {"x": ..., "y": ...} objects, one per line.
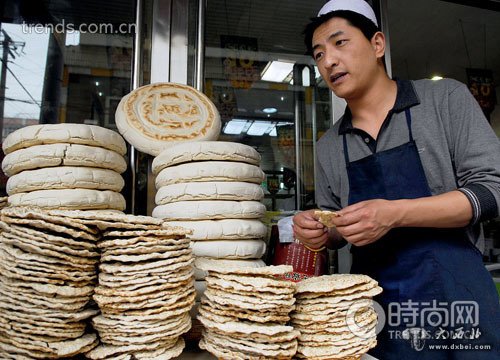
[
  {"x": 210, "y": 210},
  {"x": 64, "y": 133},
  {"x": 157, "y": 116},
  {"x": 65, "y": 177},
  {"x": 70, "y": 199},
  {"x": 205, "y": 151},
  {"x": 42, "y": 156},
  {"x": 204, "y": 171},
  {"x": 209, "y": 190}
]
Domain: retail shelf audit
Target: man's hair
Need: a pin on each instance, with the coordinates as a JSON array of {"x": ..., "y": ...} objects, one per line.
[{"x": 367, "y": 27}]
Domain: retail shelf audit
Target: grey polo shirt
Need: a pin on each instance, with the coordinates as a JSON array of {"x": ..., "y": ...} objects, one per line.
[{"x": 457, "y": 146}]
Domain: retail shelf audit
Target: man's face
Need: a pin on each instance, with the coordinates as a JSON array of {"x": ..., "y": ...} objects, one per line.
[{"x": 345, "y": 57}]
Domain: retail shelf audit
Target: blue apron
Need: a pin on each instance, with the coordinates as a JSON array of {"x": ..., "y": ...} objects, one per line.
[{"x": 425, "y": 273}]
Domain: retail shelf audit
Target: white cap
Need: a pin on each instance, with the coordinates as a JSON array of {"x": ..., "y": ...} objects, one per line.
[{"x": 358, "y": 6}]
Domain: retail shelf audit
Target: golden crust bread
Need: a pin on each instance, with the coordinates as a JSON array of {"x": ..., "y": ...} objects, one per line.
[{"x": 326, "y": 217}]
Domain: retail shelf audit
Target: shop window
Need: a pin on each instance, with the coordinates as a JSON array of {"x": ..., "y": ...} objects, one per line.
[
  {"x": 433, "y": 38},
  {"x": 262, "y": 84},
  {"x": 65, "y": 62}
]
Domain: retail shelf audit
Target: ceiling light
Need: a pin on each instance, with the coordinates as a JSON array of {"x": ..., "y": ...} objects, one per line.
[
  {"x": 259, "y": 128},
  {"x": 277, "y": 71},
  {"x": 72, "y": 38},
  {"x": 100, "y": 93},
  {"x": 270, "y": 110},
  {"x": 235, "y": 127},
  {"x": 437, "y": 77},
  {"x": 97, "y": 83}
]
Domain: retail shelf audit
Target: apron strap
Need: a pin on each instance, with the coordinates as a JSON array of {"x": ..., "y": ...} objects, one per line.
[
  {"x": 346, "y": 152},
  {"x": 408, "y": 121}
]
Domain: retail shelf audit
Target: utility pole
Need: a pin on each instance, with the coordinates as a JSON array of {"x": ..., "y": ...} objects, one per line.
[
  {"x": 5, "y": 58},
  {"x": 8, "y": 45}
]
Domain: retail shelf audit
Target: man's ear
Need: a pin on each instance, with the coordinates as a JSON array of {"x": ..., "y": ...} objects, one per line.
[{"x": 378, "y": 44}]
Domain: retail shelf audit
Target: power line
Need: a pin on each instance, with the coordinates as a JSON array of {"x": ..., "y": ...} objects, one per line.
[
  {"x": 20, "y": 100},
  {"x": 19, "y": 82}
]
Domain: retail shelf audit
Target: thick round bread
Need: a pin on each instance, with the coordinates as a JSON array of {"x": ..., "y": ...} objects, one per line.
[
  {"x": 64, "y": 133},
  {"x": 72, "y": 199},
  {"x": 157, "y": 116},
  {"x": 210, "y": 210},
  {"x": 223, "y": 229},
  {"x": 229, "y": 249},
  {"x": 200, "y": 261},
  {"x": 203, "y": 151},
  {"x": 65, "y": 177},
  {"x": 43, "y": 156},
  {"x": 208, "y": 191},
  {"x": 210, "y": 171}
]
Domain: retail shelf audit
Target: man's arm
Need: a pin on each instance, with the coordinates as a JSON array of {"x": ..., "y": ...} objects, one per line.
[
  {"x": 367, "y": 221},
  {"x": 475, "y": 151}
]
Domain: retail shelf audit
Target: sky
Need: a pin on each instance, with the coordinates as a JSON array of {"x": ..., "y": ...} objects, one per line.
[{"x": 29, "y": 68}]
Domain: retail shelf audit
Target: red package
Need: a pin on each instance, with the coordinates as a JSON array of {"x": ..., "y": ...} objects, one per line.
[{"x": 306, "y": 262}]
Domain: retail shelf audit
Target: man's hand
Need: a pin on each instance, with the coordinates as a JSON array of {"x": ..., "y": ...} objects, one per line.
[
  {"x": 309, "y": 231},
  {"x": 367, "y": 221}
]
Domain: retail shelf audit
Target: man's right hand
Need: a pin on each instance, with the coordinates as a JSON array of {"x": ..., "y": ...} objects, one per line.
[{"x": 309, "y": 231}]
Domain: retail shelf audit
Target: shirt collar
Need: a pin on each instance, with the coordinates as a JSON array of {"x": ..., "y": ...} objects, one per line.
[{"x": 406, "y": 97}]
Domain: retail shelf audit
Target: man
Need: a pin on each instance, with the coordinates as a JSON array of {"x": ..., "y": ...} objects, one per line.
[{"x": 412, "y": 168}]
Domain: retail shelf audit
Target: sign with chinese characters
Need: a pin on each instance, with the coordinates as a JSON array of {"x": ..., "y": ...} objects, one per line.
[
  {"x": 241, "y": 71},
  {"x": 481, "y": 86}
]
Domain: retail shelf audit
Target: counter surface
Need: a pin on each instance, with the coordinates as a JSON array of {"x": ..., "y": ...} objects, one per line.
[{"x": 197, "y": 354}]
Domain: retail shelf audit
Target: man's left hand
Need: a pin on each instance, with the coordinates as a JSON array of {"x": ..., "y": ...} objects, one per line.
[{"x": 367, "y": 221}]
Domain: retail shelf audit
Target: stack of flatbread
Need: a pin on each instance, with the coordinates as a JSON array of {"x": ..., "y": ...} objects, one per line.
[
  {"x": 335, "y": 316},
  {"x": 245, "y": 311},
  {"x": 157, "y": 116},
  {"x": 47, "y": 277},
  {"x": 214, "y": 189},
  {"x": 65, "y": 166},
  {"x": 3, "y": 201},
  {"x": 145, "y": 290}
]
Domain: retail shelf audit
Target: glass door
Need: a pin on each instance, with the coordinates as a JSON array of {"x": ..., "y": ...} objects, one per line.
[{"x": 268, "y": 92}]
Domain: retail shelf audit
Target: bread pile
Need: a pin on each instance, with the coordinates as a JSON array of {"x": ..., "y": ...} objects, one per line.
[
  {"x": 145, "y": 290},
  {"x": 65, "y": 166},
  {"x": 3, "y": 201},
  {"x": 47, "y": 277},
  {"x": 245, "y": 311},
  {"x": 335, "y": 316},
  {"x": 157, "y": 116},
  {"x": 214, "y": 189}
]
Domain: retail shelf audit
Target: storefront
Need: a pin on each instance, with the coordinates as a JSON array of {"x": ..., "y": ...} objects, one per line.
[
  {"x": 247, "y": 56},
  {"x": 72, "y": 62}
]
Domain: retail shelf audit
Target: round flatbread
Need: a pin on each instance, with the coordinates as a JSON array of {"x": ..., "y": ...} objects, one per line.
[
  {"x": 334, "y": 282},
  {"x": 210, "y": 171},
  {"x": 210, "y": 210},
  {"x": 70, "y": 199},
  {"x": 43, "y": 156},
  {"x": 65, "y": 177},
  {"x": 229, "y": 249},
  {"x": 233, "y": 268},
  {"x": 225, "y": 229},
  {"x": 201, "y": 262},
  {"x": 214, "y": 190},
  {"x": 64, "y": 133},
  {"x": 203, "y": 151},
  {"x": 157, "y": 116}
]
